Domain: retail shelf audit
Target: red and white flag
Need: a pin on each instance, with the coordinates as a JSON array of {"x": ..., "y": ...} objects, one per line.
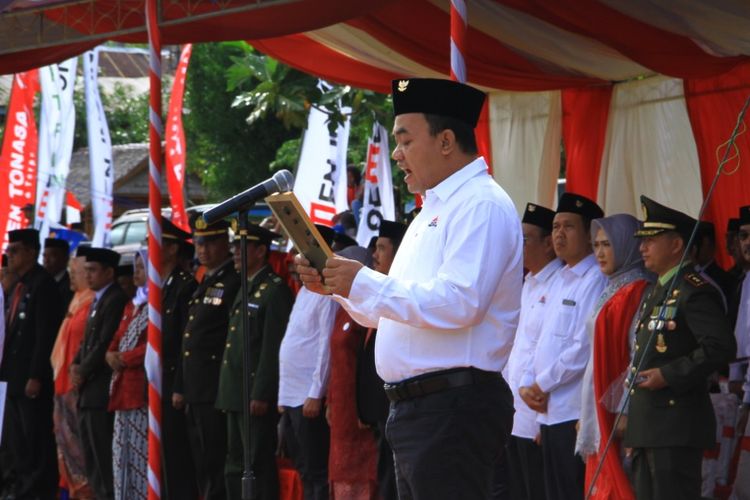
[
  {"x": 378, "y": 201},
  {"x": 175, "y": 144},
  {"x": 18, "y": 157}
]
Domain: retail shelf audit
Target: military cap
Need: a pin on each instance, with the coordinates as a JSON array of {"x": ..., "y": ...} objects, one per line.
[
  {"x": 171, "y": 232},
  {"x": 744, "y": 215},
  {"x": 658, "y": 219},
  {"x": 29, "y": 237},
  {"x": 57, "y": 243},
  {"x": 392, "y": 230},
  {"x": 438, "y": 97},
  {"x": 258, "y": 234},
  {"x": 537, "y": 215},
  {"x": 327, "y": 233},
  {"x": 103, "y": 256},
  {"x": 206, "y": 232},
  {"x": 577, "y": 204},
  {"x": 733, "y": 225}
]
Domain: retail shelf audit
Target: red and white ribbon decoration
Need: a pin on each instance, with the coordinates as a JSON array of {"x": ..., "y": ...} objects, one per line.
[
  {"x": 458, "y": 40},
  {"x": 153, "y": 349},
  {"x": 175, "y": 144}
]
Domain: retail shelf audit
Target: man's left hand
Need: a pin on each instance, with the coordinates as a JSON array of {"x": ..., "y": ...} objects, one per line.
[
  {"x": 654, "y": 379},
  {"x": 258, "y": 408},
  {"x": 339, "y": 274},
  {"x": 33, "y": 387}
]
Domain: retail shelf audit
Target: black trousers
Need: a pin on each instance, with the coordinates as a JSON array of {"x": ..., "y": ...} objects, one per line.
[
  {"x": 563, "y": 471},
  {"x": 446, "y": 444},
  {"x": 525, "y": 469},
  {"x": 207, "y": 431},
  {"x": 386, "y": 471},
  {"x": 178, "y": 472},
  {"x": 96, "y": 427},
  {"x": 263, "y": 440},
  {"x": 31, "y": 446},
  {"x": 667, "y": 473},
  {"x": 308, "y": 442}
]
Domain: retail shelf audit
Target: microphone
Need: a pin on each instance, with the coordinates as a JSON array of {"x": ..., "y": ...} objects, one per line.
[{"x": 280, "y": 182}]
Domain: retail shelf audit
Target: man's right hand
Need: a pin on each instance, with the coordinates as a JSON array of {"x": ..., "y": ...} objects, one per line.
[
  {"x": 178, "y": 401},
  {"x": 534, "y": 398}
]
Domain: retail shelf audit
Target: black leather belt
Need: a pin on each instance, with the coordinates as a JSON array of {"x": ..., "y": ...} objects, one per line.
[{"x": 431, "y": 383}]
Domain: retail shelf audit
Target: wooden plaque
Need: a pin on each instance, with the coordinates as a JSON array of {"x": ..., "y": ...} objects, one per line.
[{"x": 300, "y": 229}]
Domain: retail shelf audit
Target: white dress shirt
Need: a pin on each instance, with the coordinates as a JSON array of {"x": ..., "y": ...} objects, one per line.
[
  {"x": 451, "y": 297},
  {"x": 305, "y": 351},
  {"x": 563, "y": 348},
  {"x": 534, "y": 298}
]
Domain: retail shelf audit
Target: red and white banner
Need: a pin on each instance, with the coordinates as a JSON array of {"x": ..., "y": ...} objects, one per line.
[
  {"x": 175, "y": 144},
  {"x": 56, "y": 131},
  {"x": 100, "y": 152},
  {"x": 378, "y": 201},
  {"x": 18, "y": 161},
  {"x": 320, "y": 184}
]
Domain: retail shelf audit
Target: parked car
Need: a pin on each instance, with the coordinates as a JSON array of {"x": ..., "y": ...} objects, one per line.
[{"x": 130, "y": 229}]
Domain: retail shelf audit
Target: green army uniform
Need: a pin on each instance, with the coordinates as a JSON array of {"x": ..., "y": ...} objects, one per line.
[
  {"x": 270, "y": 301},
  {"x": 669, "y": 428}
]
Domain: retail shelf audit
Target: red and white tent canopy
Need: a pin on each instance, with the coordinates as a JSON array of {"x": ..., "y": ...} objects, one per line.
[{"x": 641, "y": 92}]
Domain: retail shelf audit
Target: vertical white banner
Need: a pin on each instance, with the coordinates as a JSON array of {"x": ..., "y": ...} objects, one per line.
[
  {"x": 100, "y": 152},
  {"x": 320, "y": 183},
  {"x": 56, "y": 131},
  {"x": 378, "y": 203}
]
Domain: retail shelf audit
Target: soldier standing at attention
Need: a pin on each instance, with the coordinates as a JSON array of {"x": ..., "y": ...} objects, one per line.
[
  {"x": 682, "y": 337},
  {"x": 33, "y": 317},
  {"x": 270, "y": 301},
  {"x": 202, "y": 349},
  {"x": 179, "y": 285}
]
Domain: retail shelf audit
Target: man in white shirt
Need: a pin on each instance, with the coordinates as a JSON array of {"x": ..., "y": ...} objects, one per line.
[
  {"x": 526, "y": 477},
  {"x": 447, "y": 311},
  {"x": 303, "y": 380},
  {"x": 552, "y": 383}
]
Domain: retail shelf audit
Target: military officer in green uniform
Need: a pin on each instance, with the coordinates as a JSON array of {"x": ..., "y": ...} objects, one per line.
[
  {"x": 270, "y": 303},
  {"x": 203, "y": 340},
  {"x": 682, "y": 337},
  {"x": 178, "y": 471}
]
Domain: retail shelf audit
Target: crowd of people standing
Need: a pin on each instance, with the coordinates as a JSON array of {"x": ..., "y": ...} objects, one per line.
[{"x": 470, "y": 354}]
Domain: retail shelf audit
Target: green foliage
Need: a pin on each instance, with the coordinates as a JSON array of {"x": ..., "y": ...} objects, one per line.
[
  {"x": 127, "y": 115},
  {"x": 226, "y": 151}
]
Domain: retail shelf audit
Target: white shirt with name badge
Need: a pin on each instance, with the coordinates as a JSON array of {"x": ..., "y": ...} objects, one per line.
[{"x": 563, "y": 349}]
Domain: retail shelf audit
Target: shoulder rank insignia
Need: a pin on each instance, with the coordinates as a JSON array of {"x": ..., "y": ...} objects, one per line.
[
  {"x": 695, "y": 279},
  {"x": 263, "y": 286},
  {"x": 276, "y": 279}
]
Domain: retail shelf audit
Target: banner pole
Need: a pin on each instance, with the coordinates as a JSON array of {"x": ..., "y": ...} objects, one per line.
[{"x": 153, "y": 349}]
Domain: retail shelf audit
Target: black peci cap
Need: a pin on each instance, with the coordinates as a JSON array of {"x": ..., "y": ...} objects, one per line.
[
  {"x": 577, "y": 204},
  {"x": 393, "y": 230},
  {"x": 327, "y": 233},
  {"x": 537, "y": 215},
  {"x": 437, "y": 97},
  {"x": 744, "y": 216},
  {"x": 733, "y": 225},
  {"x": 104, "y": 256},
  {"x": 29, "y": 237},
  {"x": 57, "y": 243}
]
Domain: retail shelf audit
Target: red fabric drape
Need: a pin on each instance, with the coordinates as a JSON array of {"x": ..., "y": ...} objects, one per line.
[
  {"x": 482, "y": 133},
  {"x": 713, "y": 105},
  {"x": 611, "y": 359},
  {"x": 585, "y": 113}
]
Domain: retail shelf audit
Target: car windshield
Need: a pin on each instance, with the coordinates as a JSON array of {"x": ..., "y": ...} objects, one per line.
[
  {"x": 136, "y": 233},
  {"x": 117, "y": 234}
]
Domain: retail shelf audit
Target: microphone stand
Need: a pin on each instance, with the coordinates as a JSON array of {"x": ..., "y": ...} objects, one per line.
[
  {"x": 660, "y": 322},
  {"x": 248, "y": 477}
]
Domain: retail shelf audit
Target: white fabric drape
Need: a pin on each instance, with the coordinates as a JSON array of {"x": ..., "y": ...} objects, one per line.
[
  {"x": 525, "y": 129},
  {"x": 649, "y": 149}
]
